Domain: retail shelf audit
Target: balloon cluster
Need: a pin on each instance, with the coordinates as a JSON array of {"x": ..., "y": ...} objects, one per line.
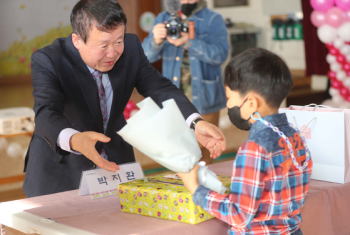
[
  {"x": 130, "y": 109},
  {"x": 12, "y": 149},
  {"x": 332, "y": 18}
]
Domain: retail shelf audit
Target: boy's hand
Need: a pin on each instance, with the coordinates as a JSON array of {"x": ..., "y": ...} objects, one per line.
[{"x": 190, "y": 179}]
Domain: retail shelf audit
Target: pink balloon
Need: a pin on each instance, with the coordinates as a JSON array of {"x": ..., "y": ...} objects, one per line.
[
  {"x": 336, "y": 84},
  {"x": 347, "y": 16},
  {"x": 322, "y": 5},
  {"x": 333, "y": 51},
  {"x": 329, "y": 45},
  {"x": 341, "y": 59},
  {"x": 346, "y": 67},
  {"x": 331, "y": 75},
  {"x": 318, "y": 18},
  {"x": 126, "y": 114},
  {"x": 335, "y": 17},
  {"x": 344, "y": 92},
  {"x": 130, "y": 106},
  {"x": 343, "y": 4}
]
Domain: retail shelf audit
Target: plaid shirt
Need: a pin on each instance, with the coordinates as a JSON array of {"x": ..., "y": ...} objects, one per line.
[{"x": 267, "y": 190}]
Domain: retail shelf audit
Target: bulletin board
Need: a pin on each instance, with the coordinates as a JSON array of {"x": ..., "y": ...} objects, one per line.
[{"x": 26, "y": 26}]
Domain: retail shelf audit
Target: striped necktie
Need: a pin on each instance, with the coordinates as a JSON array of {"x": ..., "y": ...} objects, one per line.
[{"x": 97, "y": 75}]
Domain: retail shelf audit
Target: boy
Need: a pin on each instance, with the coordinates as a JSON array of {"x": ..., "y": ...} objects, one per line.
[{"x": 269, "y": 180}]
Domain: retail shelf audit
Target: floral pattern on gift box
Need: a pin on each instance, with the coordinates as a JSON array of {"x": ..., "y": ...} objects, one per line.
[{"x": 163, "y": 198}]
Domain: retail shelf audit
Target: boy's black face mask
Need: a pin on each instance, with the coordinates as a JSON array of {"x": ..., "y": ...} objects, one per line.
[
  {"x": 188, "y": 8},
  {"x": 234, "y": 114}
]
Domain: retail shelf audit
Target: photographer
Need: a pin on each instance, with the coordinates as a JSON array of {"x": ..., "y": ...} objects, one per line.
[{"x": 193, "y": 65}]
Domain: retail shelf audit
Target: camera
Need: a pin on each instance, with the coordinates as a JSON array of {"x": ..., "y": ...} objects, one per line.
[{"x": 175, "y": 27}]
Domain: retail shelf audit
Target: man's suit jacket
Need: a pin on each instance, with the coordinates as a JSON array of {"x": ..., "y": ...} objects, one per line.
[{"x": 66, "y": 96}]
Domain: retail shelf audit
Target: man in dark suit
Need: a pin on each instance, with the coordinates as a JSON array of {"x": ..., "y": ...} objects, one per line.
[{"x": 81, "y": 85}]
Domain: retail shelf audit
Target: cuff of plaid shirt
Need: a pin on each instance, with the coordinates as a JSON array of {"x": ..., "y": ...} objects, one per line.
[{"x": 199, "y": 195}]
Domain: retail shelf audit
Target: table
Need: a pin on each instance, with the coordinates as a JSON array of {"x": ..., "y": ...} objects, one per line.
[{"x": 325, "y": 212}]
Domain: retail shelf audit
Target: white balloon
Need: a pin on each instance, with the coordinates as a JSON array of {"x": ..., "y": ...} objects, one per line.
[
  {"x": 24, "y": 152},
  {"x": 328, "y": 102},
  {"x": 3, "y": 143},
  {"x": 333, "y": 92},
  {"x": 327, "y": 33},
  {"x": 14, "y": 149},
  {"x": 338, "y": 43},
  {"x": 346, "y": 82},
  {"x": 344, "y": 105},
  {"x": 337, "y": 100},
  {"x": 348, "y": 58},
  {"x": 336, "y": 67},
  {"x": 331, "y": 59},
  {"x": 341, "y": 75},
  {"x": 132, "y": 113},
  {"x": 344, "y": 31},
  {"x": 345, "y": 50}
]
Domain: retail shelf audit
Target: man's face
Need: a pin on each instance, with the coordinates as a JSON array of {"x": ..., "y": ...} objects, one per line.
[{"x": 102, "y": 49}]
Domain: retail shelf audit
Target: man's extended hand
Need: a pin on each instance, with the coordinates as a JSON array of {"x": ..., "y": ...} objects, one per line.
[
  {"x": 211, "y": 137},
  {"x": 179, "y": 41},
  {"x": 190, "y": 179},
  {"x": 85, "y": 144}
]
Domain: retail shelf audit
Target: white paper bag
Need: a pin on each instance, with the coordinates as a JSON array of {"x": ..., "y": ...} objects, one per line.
[
  {"x": 163, "y": 135},
  {"x": 327, "y": 134}
]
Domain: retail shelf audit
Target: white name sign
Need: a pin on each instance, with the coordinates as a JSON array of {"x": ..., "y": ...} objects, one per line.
[{"x": 101, "y": 183}]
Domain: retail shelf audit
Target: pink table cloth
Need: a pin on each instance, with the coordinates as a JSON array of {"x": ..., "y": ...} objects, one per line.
[{"x": 325, "y": 212}]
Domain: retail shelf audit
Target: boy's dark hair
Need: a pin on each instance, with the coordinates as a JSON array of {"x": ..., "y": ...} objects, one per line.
[
  {"x": 260, "y": 71},
  {"x": 106, "y": 15}
]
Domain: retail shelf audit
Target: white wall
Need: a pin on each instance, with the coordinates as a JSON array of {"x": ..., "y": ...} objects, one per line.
[
  {"x": 277, "y": 7},
  {"x": 291, "y": 51}
]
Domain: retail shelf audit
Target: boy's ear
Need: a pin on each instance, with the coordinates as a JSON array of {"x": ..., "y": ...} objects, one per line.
[
  {"x": 250, "y": 106},
  {"x": 253, "y": 103}
]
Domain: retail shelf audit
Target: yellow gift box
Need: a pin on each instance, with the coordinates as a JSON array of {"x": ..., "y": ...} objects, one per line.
[{"x": 163, "y": 197}]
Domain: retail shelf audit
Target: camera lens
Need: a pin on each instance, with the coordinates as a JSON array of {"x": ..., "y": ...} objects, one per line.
[{"x": 174, "y": 27}]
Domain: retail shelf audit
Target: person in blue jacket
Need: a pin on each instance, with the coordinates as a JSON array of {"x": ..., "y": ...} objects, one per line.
[{"x": 193, "y": 65}]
